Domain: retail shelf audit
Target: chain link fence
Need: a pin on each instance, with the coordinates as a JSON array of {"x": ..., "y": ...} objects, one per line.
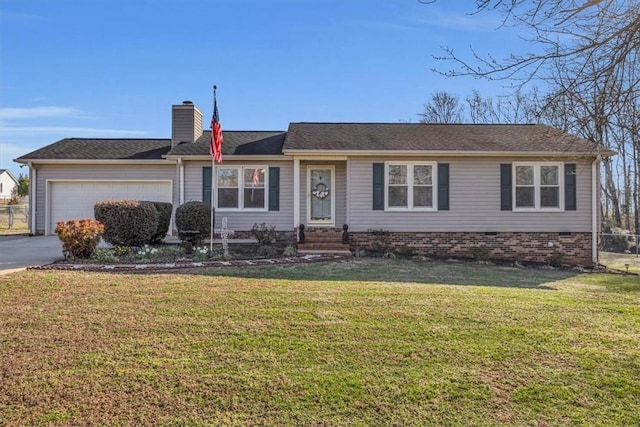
[{"x": 14, "y": 218}]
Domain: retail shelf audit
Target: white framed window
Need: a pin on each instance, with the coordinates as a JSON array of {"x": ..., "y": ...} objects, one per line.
[
  {"x": 410, "y": 186},
  {"x": 538, "y": 186},
  {"x": 241, "y": 187}
]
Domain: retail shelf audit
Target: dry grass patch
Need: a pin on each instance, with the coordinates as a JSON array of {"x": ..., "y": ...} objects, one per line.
[
  {"x": 621, "y": 261},
  {"x": 277, "y": 349}
]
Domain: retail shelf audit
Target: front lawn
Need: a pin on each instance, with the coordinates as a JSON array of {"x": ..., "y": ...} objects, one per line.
[{"x": 360, "y": 342}]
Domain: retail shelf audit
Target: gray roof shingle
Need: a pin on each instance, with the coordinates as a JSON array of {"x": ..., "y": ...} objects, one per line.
[
  {"x": 433, "y": 137},
  {"x": 102, "y": 149},
  {"x": 333, "y": 137},
  {"x": 235, "y": 143}
]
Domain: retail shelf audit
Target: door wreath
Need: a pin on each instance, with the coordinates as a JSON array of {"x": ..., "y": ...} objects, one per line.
[{"x": 320, "y": 191}]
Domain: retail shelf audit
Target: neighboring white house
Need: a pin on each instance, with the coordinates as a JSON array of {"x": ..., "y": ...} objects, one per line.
[
  {"x": 7, "y": 183},
  {"x": 515, "y": 191}
]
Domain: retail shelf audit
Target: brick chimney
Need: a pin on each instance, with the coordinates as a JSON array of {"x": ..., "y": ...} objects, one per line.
[{"x": 186, "y": 123}]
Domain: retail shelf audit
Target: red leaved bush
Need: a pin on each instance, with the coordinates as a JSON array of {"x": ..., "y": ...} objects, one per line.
[{"x": 80, "y": 238}]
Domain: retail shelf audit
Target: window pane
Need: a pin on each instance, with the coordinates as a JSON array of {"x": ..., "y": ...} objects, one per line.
[
  {"x": 253, "y": 177},
  {"x": 549, "y": 197},
  {"x": 525, "y": 197},
  {"x": 397, "y": 174},
  {"x": 524, "y": 175},
  {"x": 227, "y": 197},
  {"x": 398, "y": 197},
  {"x": 254, "y": 197},
  {"x": 422, "y": 175},
  {"x": 423, "y": 197},
  {"x": 548, "y": 175},
  {"x": 227, "y": 178}
]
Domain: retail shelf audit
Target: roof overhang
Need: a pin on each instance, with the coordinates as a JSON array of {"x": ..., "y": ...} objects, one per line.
[
  {"x": 94, "y": 161},
  {"x": 230, "y": 157},
  {"x": 378, "y": 153}
]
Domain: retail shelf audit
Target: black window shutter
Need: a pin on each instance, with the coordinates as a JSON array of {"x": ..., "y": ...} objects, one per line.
[
  {"x": 505, "y": 187},
  {"x": 206, "y": 184},
  {"x": 570, "y": 201},
  {"x": 274, "y": 189},
  {"x": 443, "y": 186},
  {"x": 378, "y": 186}
]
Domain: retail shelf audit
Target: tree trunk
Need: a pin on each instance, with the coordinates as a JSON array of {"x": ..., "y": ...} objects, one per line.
[{"x": 612, "y": 193}]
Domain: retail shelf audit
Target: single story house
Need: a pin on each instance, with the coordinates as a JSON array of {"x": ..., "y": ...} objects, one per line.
[
  {"x": 515, "y": 191},
  {"x": 7, "y": 183}
]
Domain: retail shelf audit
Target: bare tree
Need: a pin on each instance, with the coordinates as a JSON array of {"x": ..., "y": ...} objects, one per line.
[
  {"x": 571, "y": 30},
  {"x": 443, "y": 108},
  {"x": 587, "y": 51}
]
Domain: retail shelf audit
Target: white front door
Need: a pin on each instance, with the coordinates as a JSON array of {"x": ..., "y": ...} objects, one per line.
[{"x": 321, "y": 195}]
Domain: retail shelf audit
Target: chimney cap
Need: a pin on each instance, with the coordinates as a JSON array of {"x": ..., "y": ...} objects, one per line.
[{"x": 187, "y": 103}]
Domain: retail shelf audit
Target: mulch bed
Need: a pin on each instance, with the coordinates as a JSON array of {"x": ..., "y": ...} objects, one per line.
[{"x": 67, "y": 265}]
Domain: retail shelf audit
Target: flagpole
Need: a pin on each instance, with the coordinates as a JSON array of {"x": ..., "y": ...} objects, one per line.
[{"x": 213, "y": 167}]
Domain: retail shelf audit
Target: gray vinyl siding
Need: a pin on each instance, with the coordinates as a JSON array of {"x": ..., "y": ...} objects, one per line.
[
  {"x": 474, "y": 193},
  {"x": 340, "y": 190},
  {"x": 98, "y": 172},
  {"x": 244, "y": 220}
]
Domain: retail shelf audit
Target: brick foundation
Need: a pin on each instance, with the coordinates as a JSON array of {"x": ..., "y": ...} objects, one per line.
[
  {"x": 529, "y": 247},
  {"x": 281, "y": 236}
]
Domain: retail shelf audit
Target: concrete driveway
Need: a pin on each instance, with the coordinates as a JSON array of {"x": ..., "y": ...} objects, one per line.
[{"x": 20, "y": 252}]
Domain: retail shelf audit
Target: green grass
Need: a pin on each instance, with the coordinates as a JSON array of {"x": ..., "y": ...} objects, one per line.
[
  {"x": 621, "y": 261},
  {"x": 365, "y": 342}
]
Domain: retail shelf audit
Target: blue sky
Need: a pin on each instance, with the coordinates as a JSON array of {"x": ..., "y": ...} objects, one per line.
[{"x": 98, "y": 68}]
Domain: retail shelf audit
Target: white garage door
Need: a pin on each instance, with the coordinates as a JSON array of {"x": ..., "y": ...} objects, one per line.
[{"x": 75, "y": 200}]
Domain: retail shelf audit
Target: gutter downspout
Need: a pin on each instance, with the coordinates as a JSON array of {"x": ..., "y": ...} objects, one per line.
[
  {"x": 33, "y": 183},
  {"x": 181, "y": 183},
  {"x": 296, "y": 196},
  {"x": 594, "y": 210},
  {"x": 180, "y": 166}
]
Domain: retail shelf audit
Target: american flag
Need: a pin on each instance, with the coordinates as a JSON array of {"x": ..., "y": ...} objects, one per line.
[{"x": 216, "y": 134}]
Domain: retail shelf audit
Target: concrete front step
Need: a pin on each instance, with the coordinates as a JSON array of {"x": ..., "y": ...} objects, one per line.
[
  {"x": 316, "y": 239},
  {"x": 323, "y": 242}
]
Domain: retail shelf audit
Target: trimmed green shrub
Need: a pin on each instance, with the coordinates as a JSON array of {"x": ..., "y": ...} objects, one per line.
[
  {"x": 193, "y": 216},
  {"x": 127, "y": 222},
  {"x": 79, "y": 238},
  {"x": 164, "y": 220}
]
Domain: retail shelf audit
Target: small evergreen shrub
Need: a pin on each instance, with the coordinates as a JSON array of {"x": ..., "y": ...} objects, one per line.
[
  {"x": 164, "y": 220},
  {"x": 193, "y": 216},
  {"x": 480, "y": 253},
  {"x": 105, "y": 256},
  {"x": 556, "y": 259},
  {"x": 127, "y": 222},
  {"x": 616, "y": 242},
  {"x": 80, "y": 238}
]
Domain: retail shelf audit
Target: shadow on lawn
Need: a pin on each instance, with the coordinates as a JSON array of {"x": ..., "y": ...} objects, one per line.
[{"x": 407, "y": 271}]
